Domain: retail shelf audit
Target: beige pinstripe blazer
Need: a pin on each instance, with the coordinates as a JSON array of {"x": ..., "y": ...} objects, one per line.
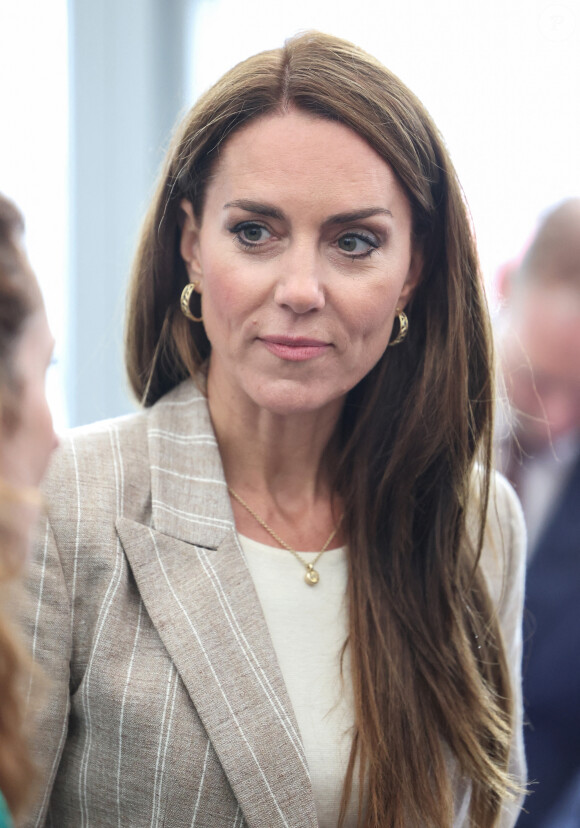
[{"x": 167, "y": 706}]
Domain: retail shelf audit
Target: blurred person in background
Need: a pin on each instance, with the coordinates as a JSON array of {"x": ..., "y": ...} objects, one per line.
[
  {"x": 539, "y": 451},
  {"x": 26, "y": 442}
]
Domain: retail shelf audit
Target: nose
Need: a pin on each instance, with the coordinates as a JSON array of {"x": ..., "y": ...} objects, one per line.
[{"x": 299, "y": 286}]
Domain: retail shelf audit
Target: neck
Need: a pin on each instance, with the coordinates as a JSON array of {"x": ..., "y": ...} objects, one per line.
[
  {"x": 280, "y": 465},
  {"x": 263, "y": 449}
]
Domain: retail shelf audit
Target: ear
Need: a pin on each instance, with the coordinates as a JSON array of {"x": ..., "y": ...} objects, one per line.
[
  {"x": 189, "y": 244},
  {"x": 412, "y": 280}
]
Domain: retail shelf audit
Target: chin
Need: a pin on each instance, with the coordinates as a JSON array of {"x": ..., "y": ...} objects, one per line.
[{"x": 296, "y": 399}]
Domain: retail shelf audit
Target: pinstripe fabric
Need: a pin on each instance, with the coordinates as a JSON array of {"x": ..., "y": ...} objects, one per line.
[{"x": 166, "y": 705}]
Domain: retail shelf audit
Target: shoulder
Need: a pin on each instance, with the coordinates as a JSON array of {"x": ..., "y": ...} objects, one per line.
[
  {"x": 98, "y": 436},
  {"x": 98, "y": 466},
  {"x": 91, "y": 454},
  {"x": 505, "y": 519},
  {"x": 93, "y": 450},
  {"x": 96, "y": 473},
  {"x": 503, "y": 558}
]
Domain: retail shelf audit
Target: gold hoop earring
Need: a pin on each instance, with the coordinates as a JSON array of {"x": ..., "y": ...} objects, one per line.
[
  {"x": 185, "y": 299},
  {"x": 403, "y": 327}
]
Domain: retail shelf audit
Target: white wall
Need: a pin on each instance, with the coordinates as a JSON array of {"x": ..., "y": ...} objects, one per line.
[
  {"x": 126, "y": 88},
  {"x": 34, "y": 154},
  {"x": 89, "y": 92}
]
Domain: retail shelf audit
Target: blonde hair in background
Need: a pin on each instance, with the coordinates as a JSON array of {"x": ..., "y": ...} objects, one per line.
[{"x": 16, "y": 507}]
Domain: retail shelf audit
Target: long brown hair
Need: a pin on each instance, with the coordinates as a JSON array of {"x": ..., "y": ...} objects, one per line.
[
  {"x": 16, "y": 303},
  {"x": 427, "y": 661}
]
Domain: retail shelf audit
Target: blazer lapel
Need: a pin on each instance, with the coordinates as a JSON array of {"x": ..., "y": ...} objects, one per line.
[{"x": 197, "y": 589}]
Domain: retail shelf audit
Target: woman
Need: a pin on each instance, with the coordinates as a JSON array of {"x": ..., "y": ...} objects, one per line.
[
  {"x": 308, "y": 335},
  {"x": 26, "y": 442}
]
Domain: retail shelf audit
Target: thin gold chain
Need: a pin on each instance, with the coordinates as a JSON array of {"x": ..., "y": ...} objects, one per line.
[{"x": 312, "y": 576}]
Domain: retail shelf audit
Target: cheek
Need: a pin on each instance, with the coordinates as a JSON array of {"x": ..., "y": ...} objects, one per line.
[
  {"x": 231, "y": 300},
  {"x": 227, "y": 300},
  {"x": 50, "y": 439},
  {"x": 373, "y": 319},
  {"x": 41, "y": 440},
  {"x": 221, "y": 308}
]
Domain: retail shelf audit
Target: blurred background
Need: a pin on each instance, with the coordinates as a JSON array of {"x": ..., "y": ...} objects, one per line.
[{"x": 90, "y": 89}]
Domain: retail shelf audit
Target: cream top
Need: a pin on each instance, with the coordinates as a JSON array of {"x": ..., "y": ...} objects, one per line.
[{"x": 308, "y": 626}]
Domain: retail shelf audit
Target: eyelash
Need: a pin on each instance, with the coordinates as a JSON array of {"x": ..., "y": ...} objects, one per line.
[
  {"x": 238, "y": 228},
  {"x": 372, "y": 242}
]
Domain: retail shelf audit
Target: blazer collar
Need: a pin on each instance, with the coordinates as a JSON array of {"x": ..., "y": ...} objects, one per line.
[
  {"x": 197, "y": 590},
  {"x": 188, "y": 490}
]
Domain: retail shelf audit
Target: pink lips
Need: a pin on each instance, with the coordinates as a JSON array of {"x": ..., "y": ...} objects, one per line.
[{"x": 295, "y": 349}]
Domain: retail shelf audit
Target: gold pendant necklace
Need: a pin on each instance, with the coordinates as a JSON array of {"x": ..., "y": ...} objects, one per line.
[{"x": 311, "y": 577}]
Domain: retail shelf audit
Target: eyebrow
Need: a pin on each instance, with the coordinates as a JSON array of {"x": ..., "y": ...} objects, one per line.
[
  {"x": 256, "y": 207},
  {"x": 357, "y": 215},
  {"x": 338, "y": 218}
]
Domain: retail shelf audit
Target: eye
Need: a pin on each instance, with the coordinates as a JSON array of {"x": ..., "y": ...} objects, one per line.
[
  {"x": 357, "y": 245},
  {"x": 250, "y": 234}
]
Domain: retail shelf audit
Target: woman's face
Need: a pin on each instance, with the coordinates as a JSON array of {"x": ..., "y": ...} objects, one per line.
[
  {"x": 302, "y": 256},
  {"x": 28, "y": 441}
]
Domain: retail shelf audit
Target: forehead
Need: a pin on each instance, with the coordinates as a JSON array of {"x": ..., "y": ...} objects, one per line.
[
  {"x": 555, "y": 253},
  {"x": 308, "y": 159}
]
